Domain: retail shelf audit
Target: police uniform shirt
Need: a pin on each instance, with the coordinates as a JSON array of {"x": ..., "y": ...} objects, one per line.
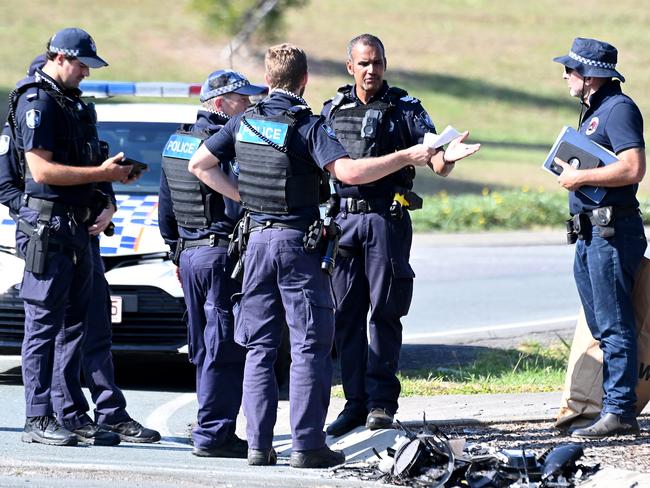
[
  {"x": 228, "y": 214},
  {"x": 615, "y": 122},
  {"x": 11, "y": 182},
  {"x": 312, "y": 140},
  {"x": 42, "y": 124},
  {"x": 405, "y": 126}
]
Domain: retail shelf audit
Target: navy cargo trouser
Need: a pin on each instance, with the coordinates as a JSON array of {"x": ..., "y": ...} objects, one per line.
[
  {"x": 97, "y": 360},
  {"x": 208, "y": 288},
  {"x": 372, "y": 273},
  {"x": 281, "y": 280},
  {"x": 56, "y": 304},
  {"x": 604, "y": 271}
]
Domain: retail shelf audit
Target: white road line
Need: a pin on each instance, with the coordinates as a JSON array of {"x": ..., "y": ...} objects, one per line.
[
  {"x": 158, "y": 419},
  {"x": 533, "y": 324}
]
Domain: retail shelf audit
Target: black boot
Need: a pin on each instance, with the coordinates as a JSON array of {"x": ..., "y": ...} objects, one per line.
[
  {"x": 608, "y": 425},
  {"x": 379, "y": 418},
  {"x": 233, "y": 448},
  {"x": 344, "y": 423},
  {"x": 93, "y": 434},
  {"x": 46, "y": 430},
  {"x": 262, "y": 457},
  {"x": 132, "y": 431},
  {"x": 316, "y": 458}
]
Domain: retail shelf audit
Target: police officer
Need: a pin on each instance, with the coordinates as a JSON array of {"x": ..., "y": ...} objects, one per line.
[
  {"x": 611, "y": 240},
  {"x": 196, "y": 222},
  {"x": 282, "y": 150},
  {"x": 55, "y": 135},
  {"x": 97, "y": 361},
  {"x": 373, "y": 271}
]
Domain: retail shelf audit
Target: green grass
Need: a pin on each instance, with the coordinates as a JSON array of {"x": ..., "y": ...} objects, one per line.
[
  {"x": 482, "y": 65},
  {"x": 532, "y": 367}
]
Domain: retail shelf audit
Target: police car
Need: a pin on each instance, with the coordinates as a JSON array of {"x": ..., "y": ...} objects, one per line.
[{"x": 147, "y": 300}]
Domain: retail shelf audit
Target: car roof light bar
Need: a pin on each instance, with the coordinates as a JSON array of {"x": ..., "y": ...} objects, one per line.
[{"x": 104, "y": 89}]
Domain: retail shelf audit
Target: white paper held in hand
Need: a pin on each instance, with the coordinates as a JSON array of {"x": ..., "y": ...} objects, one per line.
[{"x": 435, "y": 141}]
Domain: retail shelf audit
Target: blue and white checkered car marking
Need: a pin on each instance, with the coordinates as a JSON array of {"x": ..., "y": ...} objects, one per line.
[{"x": 136, "y": 227}]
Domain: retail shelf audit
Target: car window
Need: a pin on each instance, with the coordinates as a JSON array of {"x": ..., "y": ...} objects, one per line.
[{"x": 142, "y": 141}]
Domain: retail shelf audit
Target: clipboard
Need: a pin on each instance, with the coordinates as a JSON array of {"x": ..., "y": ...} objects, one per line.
[{"x": 581, "y": 153}]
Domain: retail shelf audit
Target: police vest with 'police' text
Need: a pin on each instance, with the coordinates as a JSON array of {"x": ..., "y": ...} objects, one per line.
[
  {"x": 194, "y": 204},
  {"x": 272, "y": 179}
]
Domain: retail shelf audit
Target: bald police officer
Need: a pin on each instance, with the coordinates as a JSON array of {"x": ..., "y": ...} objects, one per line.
[
  {"x": 371, "y": 118},
  {"x": 196, "y": 221},
  {"x": 56, "y": 138},
  {"x": 283, "y": 151}
]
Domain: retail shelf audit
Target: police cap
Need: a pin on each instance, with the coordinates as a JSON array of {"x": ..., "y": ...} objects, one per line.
[
  {"x": 225, "y": 81},
  {"x": 77, "y": 43}
]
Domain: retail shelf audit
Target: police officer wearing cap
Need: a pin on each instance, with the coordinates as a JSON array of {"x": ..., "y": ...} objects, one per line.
[
  {"x": 611, "y": 241},
  {"x": 196, "y": 222},
  {"x": 55, "y": 134},
  {"x": 373, "y": 272},
  {"x": 97, "y": 361},
  {"x": 283, "y": 151}
]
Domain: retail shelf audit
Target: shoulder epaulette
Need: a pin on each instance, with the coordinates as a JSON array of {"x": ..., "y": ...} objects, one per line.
[{"x": 299, "y": 111}]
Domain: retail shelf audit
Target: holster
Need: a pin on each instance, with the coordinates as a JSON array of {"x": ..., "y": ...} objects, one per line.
[
  {"x": 237, "y": 247},
  {"x": 100, "y": 202},
  {"x": 36, "y": 251}
]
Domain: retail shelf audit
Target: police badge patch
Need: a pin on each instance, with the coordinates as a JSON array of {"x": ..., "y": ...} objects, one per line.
[
  {"x": 33, "y": 118},
  {"x": 593, "y": 125},
  {"x": 426, "y": 122},
  {"x": 4, "y": 145},
  {"x": 329, "y": 131},
  {"x": 234, "y": 167}
]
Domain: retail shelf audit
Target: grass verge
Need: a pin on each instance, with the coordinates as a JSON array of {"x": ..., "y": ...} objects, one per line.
[
  {"x": 526, "y": 208},
  {"x": 529, "y": 368}
]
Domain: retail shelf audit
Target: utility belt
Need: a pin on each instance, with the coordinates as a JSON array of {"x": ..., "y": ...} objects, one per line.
[
  {"x": 212, "y": 240},
  {"x": 322, "y": 235},
  {"x": 580, "y": 226},
  {"x": 40, "y": 244},
  {"x": 402, "y": 199},
  {"x": 80, "y": 215}
]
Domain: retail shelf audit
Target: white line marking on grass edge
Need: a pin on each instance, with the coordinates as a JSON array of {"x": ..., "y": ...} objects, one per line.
[
  {"x": 533, "y": 324},
  {"x": 158, "y": 419}
]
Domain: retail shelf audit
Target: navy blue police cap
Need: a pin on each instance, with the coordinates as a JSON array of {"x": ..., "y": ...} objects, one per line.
[
  {"x": 77, "y": 43},
  {"x": 37, "y": 63},
  {"x": 591, "y": 57},
  {"x": 225, "y": 81}
]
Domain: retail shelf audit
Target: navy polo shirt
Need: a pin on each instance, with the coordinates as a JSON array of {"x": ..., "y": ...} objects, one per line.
[
  {"x": 42, "y": 124},
  {"x": 404, "y": 126},
  {"x": 223, "y": 223},
  {"x": 615, "y": 122},
  {"x": 312, "y": 139}
]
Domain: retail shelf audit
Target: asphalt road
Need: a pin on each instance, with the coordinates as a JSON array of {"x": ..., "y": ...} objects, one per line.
[{"x": 461, "y": 286}]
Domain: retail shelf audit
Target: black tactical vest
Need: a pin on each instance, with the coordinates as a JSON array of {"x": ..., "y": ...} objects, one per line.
[
  {"x": 78, "y": 144},
  {"x": 272, "y": 179},
  {"x": 194, "y": 203},
  {"x": 363, "y": 132}
]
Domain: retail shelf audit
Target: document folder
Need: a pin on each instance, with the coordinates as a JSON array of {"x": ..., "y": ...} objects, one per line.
[{"x": 581, "y": 153}]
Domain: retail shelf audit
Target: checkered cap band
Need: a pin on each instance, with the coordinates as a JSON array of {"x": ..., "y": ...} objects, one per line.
[
  {"x": 68, "y": 52},
  {"x": 591, "y": 62},
  {"x": 229, "y": 88}
]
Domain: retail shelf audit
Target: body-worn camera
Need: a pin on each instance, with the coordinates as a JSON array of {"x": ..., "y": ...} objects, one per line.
[{"x": 370, "y": 123}]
